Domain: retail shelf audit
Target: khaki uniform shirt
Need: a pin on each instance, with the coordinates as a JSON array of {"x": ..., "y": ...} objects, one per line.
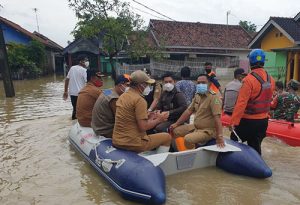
[
  {"x": 131, "y": 106},
  {"x": 103, "y": 116},
  {"x": 85, "y": 104},
  {"x": 205, "y": 107}
]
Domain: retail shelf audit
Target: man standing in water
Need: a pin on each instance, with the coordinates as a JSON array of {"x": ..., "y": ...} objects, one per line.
[
  {"x": 132, "y": 119},
  {"x": 250, "y": 115},
  {"x": 75, "y": 81}
]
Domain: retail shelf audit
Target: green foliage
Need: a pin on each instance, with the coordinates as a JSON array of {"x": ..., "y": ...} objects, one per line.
[
  {"x": 27, "y": 59},
  {"x": 248, "y": 26},
  {"x": 36, "y": 53},
  {"x": 114, "y": 23}
]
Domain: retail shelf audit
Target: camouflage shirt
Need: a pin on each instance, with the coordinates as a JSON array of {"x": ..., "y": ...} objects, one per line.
[{"x": 287, "y": 106}]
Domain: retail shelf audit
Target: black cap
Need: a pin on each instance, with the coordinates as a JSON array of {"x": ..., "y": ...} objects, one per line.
[
  {"x": 121, "y": 79},
  {"x": 93, "y": 72},
  {"x": 239, "y": 71}
]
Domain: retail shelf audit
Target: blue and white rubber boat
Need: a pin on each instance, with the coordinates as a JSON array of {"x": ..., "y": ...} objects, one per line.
[{"x": 141, "y": 177}]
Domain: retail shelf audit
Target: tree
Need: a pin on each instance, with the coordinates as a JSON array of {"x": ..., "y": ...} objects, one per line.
[
  {"x": 114, "y": 23},
  {"x": 248, "y": 26},
  {"x": 28, "y": 59}
]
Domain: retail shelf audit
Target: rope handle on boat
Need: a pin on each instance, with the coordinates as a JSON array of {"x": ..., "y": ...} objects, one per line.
[
  {"x": 98, "y": 159},
  {"x": 239, "y": 139}
]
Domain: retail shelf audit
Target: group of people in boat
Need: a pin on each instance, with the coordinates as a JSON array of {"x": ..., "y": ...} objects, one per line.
[{"x": 141, "y": 114}]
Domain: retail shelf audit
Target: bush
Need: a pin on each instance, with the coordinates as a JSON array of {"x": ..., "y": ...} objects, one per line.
[{"x": 27, "y": 60}]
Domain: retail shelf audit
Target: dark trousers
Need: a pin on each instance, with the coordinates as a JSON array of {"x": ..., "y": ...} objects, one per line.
[
  {"x": 74, "y": 103},
  {"x": 252, "y": 131}
]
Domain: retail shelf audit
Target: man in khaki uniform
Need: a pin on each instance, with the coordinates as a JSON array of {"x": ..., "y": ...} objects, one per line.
[
  {"x": 132, "y": 119},
  {"x": 207, "y": 125}
]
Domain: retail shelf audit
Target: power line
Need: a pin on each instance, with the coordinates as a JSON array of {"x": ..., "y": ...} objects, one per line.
[
  {"x": 147, "y": 13},
  {"x": 153, "y": 10}
]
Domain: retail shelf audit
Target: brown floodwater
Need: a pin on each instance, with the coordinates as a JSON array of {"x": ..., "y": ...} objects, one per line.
[{"x": 38, "y": 165}]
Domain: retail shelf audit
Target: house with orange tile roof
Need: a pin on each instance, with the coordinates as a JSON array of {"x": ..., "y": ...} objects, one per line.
[{"x": 223, "y": 45}]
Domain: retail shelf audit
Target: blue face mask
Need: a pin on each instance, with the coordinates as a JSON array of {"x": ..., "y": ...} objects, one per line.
[{"x": 201, "y": 88}]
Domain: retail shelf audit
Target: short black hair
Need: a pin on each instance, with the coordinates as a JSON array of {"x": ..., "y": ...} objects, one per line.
[
  {"x": 81, "y": 57},
  {"x": 279, "y": 84},
  {"x": 207, "y": 64},
  {"x": 185, "y": 72},
  {"x": 204, "y": 74},
  {"x": 167, "y": 74},
  {"x": 90, "y": 73}
]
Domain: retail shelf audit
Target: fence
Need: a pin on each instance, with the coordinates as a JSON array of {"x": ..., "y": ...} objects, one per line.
[{"x": 158, "y": 68}]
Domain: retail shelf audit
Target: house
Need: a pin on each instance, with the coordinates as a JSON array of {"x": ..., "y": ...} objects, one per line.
[
  {"x": 13, "y": 33},
  {"x": 90, "y": 47},
  {"x": 280, "y": 38},
  {"x": 194, "y": 43}
]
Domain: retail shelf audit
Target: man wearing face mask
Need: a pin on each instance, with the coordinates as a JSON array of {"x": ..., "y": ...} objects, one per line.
[
  {"x": 132, "y": 119},
  {"x": 171, "y": 101},
  {"x": 207, "y": 125},
  {"x": 104, "y": 111},
  {"x": 214, "y": 85},
  {"x": 75, "y": 81},
  {"x": 87, "y": 97}
]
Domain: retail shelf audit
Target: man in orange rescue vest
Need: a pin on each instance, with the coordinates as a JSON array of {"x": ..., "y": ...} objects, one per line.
[
  {"x": 215, "y": 85},
  {"x": 250, "y": 114}
]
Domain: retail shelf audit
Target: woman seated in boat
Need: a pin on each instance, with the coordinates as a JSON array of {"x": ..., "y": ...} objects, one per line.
[{"x": 132, "y": 119}]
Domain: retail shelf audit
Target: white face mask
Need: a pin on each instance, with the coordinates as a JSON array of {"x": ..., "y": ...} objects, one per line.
[
  {"x": 168, "y": 87},
  {"x": 86, "y": 63},
  {"x": 147, "y": 90}
]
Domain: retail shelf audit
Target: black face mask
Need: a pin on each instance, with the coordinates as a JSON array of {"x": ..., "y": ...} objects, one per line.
[{"x": 208, "y": 71}]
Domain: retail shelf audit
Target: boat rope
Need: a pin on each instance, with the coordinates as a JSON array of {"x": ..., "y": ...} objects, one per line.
[{"x": 98, "y": 159}]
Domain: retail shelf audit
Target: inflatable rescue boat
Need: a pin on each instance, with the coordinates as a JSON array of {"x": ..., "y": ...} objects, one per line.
[
  {"x": 141, "y": 177},
  {"x": 288, "y": 132}
]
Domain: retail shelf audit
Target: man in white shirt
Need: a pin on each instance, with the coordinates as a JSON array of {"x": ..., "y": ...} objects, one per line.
[{"x": 75, "y": 81}]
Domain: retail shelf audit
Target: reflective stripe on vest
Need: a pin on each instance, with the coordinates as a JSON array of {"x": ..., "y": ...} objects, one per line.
[
  {"x": 213, "y": 88},
  {"x": 261, "y": 103}
]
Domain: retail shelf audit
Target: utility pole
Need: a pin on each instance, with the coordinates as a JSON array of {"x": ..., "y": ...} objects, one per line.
[
  {"x": 36, "y": 18},
  {"x": 4, "y": 69},
  {"x": 227, "y": 14}
]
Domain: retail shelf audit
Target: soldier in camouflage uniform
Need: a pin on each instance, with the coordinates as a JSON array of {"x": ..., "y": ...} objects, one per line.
[{"x": 288, "y": 103}]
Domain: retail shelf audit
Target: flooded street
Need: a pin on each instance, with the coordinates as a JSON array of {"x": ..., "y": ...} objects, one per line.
[{"x": 38, "y": 165}]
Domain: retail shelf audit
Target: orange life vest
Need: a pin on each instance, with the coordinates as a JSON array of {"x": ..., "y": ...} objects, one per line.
[{"x": 261, "y": 103}]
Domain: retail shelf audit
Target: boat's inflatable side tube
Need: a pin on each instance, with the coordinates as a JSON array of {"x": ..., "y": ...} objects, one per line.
[
  {"x": 134, "y": 176},
  {"x": 247, "y": 162}
]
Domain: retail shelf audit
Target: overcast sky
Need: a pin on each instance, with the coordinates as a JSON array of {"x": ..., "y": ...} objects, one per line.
[{"x": 57, "y": 20}]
